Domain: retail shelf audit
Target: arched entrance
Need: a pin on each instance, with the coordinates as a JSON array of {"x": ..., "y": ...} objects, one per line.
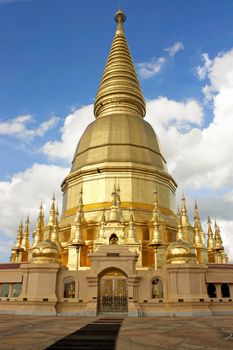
[{"x": 112, "y": 293}]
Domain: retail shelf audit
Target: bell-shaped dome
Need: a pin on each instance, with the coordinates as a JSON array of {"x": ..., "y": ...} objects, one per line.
[
  {"x": 46, "y": 252},
  {"x": 119, "y": 138},
  {"x": 180, "y": 252}
]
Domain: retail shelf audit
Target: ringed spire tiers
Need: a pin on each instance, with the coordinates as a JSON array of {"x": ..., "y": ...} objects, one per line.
[{"x": 119, "y": 90}]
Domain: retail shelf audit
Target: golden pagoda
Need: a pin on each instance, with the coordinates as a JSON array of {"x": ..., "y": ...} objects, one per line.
[{"x": 119, "y": 245}]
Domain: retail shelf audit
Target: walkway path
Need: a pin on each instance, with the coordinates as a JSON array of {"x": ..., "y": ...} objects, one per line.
[{"x": 100, "y": 334}]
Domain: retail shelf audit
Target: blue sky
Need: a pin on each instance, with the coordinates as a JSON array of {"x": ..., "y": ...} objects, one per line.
[{"x": 53, "y": 53}]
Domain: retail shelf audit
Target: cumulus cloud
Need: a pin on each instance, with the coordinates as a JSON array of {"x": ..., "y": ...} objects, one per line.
[
  {"x": 149, "y": 68},
  {"x": 155, "y": 65},
  {"x": 199, "y": 157},
  {"x": 5, "y": 247},
  {"x": 23, "y": 193},
  {"x": 203, "y": 70},
  {"x": 181, "y": 114},
  {"x": 72, "y": 130},
  {"x": 175, "y": 48},
  {"x": 17, "y": 127}
]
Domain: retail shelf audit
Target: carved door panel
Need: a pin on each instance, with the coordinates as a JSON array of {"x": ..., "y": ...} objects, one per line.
[{"x": 113, "y": 293}]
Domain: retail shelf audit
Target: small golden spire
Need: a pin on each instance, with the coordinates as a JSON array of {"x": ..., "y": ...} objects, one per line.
[
  {"x": 79, "y": 221},
  {"x": 80, "y": 201},
  {"x": 197, "y": 240},
  {"x": 119, "y": 90},
  {"x": 184, "y": 215},
  {"x": 118, "y": 190},
  {"x": 78, "y": 232},
  {"x": 180, "y": 234},
  {"x": 19, "y": 236},
  {"x": 217, "y": 238},
  {"x": 210, "y": 241},
  {"x": 102, "y": 225},
  {"x": 52, "y": 212},
  {"x": 201, "y": 231},
  {"x": 54, "y": 234},
  {"x": 196, "y": 211},
  {"x": 25, "y": 245},
  {"x": 132, "y": 231},
  {"x": 118, "y": 200},
  {"x": 156, "y": 211},
  {"x": 157, "y": 238},
  {"x": 115, "y": 214},
  {"x": 40, "y": 221},
  {"x": 80, "y": 212},
  {"x": 103, "y": 219},
  {"x": 38, "y": 233},
  {"x": 57, "y": 215},
  {"x": 114, "y": 196},
  {"x": 156, "y": 207}
]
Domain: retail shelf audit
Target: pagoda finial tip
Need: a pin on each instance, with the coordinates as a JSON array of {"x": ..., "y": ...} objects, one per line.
[{"x": 120, "y": 16}]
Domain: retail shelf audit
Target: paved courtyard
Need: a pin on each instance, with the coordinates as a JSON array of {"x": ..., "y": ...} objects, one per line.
[{"x": 194, "y": 333}]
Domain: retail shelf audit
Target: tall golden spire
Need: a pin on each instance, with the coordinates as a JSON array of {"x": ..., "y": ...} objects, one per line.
[
  {"x": 197, "y": 218},
  {"x": 79, "y": 217},
  {"x": 210, "y": 241},
  {"x": 78, "y": 232},
  {"x": 217, "y": 238},
  {"x": 156, "y": 206},
  {"x": 25, "y": 245},
  {"x": 197, "y": 237},
  {"x": 102, "y": 224},
  {"x": 132, "y": 231},
  {"x": 38, "y": 236},
  {"x": 180, "y": 234},
  {"x": 52, "y": 213},
  {"x": 119, "y": 90},
  {"x": 184, "y": 214},
  {"x": 19, "y": 236},
  {"x": 157, "y": 237},
  {"x": 54, "y": 235},
  {"x": 114, "y": 214}
]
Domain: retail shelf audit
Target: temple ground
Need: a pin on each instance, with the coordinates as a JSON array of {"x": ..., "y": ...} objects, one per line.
[{"x": 194, "y": 333}]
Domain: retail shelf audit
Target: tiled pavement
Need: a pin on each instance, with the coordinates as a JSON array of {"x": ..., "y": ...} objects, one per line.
[{"x": 165, "y": 333}]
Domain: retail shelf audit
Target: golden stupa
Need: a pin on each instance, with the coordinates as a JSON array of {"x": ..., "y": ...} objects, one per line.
[{"x": 119, "y": 245}]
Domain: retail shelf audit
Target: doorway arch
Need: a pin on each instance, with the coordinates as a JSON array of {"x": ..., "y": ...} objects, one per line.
[{"x": 112, "y": 292}]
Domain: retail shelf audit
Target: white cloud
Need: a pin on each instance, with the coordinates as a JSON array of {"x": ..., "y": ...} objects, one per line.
[
  {"x": 203, "y": 71},
  {"x": 72, "y": 130},
  {"x": 17, "y": 127},
  {"x": 182, "y": 115},
  {"x": 5, "y": 247},
  {"x": 199, "y": 157},
  {"x": 175, "y": 48},
  {"x": 149, "y": 68},
  {"x": 24, "y": 192},
  {"x": 155, "y": 65},
  {"x": 218, "y": 71}
]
